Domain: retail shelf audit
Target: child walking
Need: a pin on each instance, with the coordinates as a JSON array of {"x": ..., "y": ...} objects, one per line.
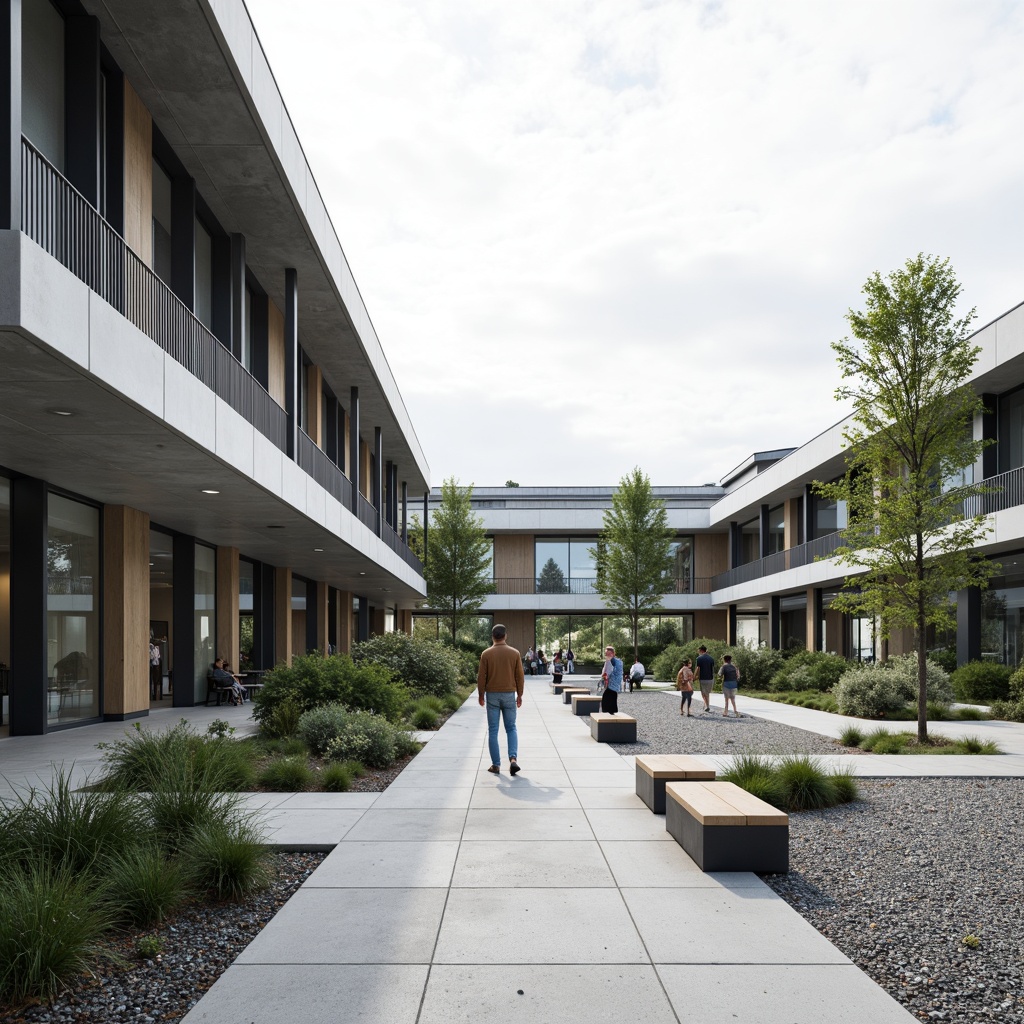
[{"x": 684, "y": 684}]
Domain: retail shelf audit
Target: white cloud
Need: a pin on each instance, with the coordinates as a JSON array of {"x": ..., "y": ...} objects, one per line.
[{"x": 600, "y": 233}]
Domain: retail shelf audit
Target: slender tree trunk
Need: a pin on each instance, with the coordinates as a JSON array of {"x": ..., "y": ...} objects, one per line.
[{"x": 922, "y": 674}]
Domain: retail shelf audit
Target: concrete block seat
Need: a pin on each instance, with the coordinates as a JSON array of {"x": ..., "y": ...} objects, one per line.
[
  {"x": 654, "y": 770},
  {"x": 556, "y": 688},
  {"x": 608, "y": 728},
  {"x": 585, "y": 703},
  {"x": 568, "y": 692},
  {"x": 725, "y": 828}
]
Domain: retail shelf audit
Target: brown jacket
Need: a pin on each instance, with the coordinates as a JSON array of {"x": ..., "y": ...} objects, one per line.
[{"x": 501, "y": 671}]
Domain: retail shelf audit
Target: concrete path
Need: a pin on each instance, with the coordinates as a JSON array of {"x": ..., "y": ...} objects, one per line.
[{"x": 555, "y": 896}]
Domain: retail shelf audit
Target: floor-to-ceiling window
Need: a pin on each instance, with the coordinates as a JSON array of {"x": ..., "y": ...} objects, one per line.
[
  {"x": 72, "y": 610},
  {"x": 752, "y": 630},
  {"x": 42, "y": 63},
  {"x": 5, "y": 598},
  {"x": 1002, "y": 613},
  {"x": 205, "y": 635},
  {"x": 588, "y": 635},
  {"x": 246, "y": 613},
  {"x": 565, "y": 565},
  {"x": 161, "y": 607}
]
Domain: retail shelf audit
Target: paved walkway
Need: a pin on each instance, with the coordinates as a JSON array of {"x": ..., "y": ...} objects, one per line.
[{"x": 555, "y": 896}]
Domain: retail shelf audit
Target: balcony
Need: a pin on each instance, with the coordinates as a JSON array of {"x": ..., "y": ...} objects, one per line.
[
  {"x": 586, "y": 587},
  {"x": 63, "y": 223},
  {"x": 316, "y": 462},
  {"x": 780, "y": 561}
]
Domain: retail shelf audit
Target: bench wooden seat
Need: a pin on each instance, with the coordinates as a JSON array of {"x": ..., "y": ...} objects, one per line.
[
  {"x": 654, "y": 770},
  {"x": 568, "y": 692},
  {"x": 608, "y": 728},
  {"x": 585, "y": 703},
  {"x": 724, "y": 828}
]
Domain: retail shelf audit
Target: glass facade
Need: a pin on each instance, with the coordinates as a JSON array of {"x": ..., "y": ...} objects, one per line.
[
  {"x": 752, "y": 630},
  {"x": 42, "y": 64},
  {"x": 204, "y": 276},
  {"x": 1002, "y": 614},
  {"x": 588, "y": 635},
  {"x": 5, "y": 597},
  {"x": 566, "y": 565},
  {"x": 205, "y": 635},
  {"x": 776, "y": 529},
  {"x": 476, "y": 630},
  {"x": 750, "y": 541},
  {"x": 246, "y": 620},
  {"x": 162, "y": 258},
  {"x": 72, "y": 610}
]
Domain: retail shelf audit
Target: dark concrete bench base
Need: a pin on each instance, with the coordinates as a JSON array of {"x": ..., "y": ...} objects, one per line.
[
  {"x": 762, "y": 848},
  {"x": 585, "y": 704},
  {"x": 568, "y": 692},
  {"x": 608, "y": 728},
  {"x": 651, "y": 789}
]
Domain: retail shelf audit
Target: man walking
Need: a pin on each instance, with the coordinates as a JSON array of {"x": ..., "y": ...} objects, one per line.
[
  {"x": 705, "y": 666},
  {"x": 499, "y": 684}
]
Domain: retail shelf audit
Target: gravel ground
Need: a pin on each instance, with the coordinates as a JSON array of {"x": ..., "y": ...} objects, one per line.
[
  {"x": 199, "y": 944},
  {"x": 898, "y": 879},
  {"x": 660, "y": 729}
]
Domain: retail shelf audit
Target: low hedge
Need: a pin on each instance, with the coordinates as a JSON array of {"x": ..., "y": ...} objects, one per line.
[{"x": 981, "y": 682}]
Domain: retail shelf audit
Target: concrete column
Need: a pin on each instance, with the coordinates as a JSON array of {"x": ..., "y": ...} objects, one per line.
[
  {"x": 228, "y": 640},
  {"x": 292, "y": 365},
  {"x": 282, "y": 616},
  {"x": 968, "y": 625},
  {"x": 125, "y": 613},
  {"x": 344, "y": 621}
]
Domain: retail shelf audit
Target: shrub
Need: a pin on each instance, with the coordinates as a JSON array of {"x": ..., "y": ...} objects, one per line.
[
  {"x": 406, "y": 744},
  {"x": 220, "y": 729},
  {"x": 804, "y": 785},
  {"x": 905, "y": 668},
  {"x": 755, "y": 774},
  {"x": 424, "y": 718},
  {"x": 757, "y": 665},
  {"x": 51, "y": 923},
  {"x": 313, "y": 680},
  {"x": 851, "y": 736},
  {"x": 868, "y": 691},
  {"x": 1009, "y": 711},
  {"x": 970, "y": 715},
  {"x": 809, "y": 670},
  {"x": 287, "y": 775},
  {"x": 144, "y": 884},
  {"x": 336, "y": 778},
  {"x": 846, "y": 787},
  {"x": 365, "y": 737},
  {"x": 454, "y": 701},
  {"x": 980, "y": 682},
  {"x": 319, "y": 727},
  {"x": 228, "y": 858},
  {"x": 427, "y": 667},
  {"x": 944, "y": 657},
  {"x": 282, "y": 722}
]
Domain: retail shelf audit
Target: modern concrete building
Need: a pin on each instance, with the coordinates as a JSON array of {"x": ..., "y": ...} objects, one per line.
[
  {"x": 202, "y": 445},
  {"x": 752, "y": 553}
]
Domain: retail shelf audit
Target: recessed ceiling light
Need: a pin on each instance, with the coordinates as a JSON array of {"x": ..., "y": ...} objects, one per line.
[
  {"x": 318, "y": 549},
  {"x": 60, "y": 412},
  {"x": 207, "y": 490},
  {"x": 362, "y": 574},
  {"x": 152, "y": 564}
]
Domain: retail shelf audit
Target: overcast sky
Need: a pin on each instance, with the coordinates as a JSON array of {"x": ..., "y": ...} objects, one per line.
[{"x": 594, "y": 234}]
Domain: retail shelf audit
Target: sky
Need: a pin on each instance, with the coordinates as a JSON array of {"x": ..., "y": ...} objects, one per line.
[{"x": 599, "y": 234}]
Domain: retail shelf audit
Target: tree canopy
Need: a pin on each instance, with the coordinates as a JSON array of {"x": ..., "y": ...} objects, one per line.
[
  {"x": 911, "y": 452},
  {"x": 458, "y": 563},
  {"x": 634, "y": 552}
]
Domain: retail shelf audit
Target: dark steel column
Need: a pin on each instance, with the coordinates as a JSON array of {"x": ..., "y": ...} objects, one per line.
[
  {"x": 808, "y": 513},
  {"x": 265, "y": 641},
  {"x": 817, "y": 613},
  {"x": 353, "y": 447},
  {"x": 990, "y": 431},
  {"x": 10, "y": 112},
  {"x": 731, "y": 630},
  {"x": 331, "y": 434},
  {"x": 292, "y": 368},
  {"x": 237, "y": 285},
  {"x": 82, "y": 105},
  {"x": 260, "y": 341},
  {"x": 27, "y": 700},
  {"x": 183, "y": 606},
  {"x": 183, "y": 240},
  {"x": 426, "y": 523},
  {"x": 735, "y": 552},
  {"x": 378, "y": 470},
  {"x": 763, "y": 525},
  {"x": 393, "y": 495},
  {"x": 774, "y": 622},
  {"x": 389, "y": 494},
  {"x": 968, "y": 625},
  {"x": 405, "y": 512},
  {"x": 312, "y": 611}
]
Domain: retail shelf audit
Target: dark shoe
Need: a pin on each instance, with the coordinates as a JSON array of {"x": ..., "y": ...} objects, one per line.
[
  {"x": 494, "y": 768},
  {"x": 514, "y": 767}
]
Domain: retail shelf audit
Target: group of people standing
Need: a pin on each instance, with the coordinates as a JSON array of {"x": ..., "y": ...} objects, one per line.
[
  {"x": 703, "y": 673},
  {"x": 537, "y": 664}
]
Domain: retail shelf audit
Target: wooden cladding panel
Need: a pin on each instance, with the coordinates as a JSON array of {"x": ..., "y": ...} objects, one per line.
[
  {"x": 792, "y": 526},
  {"x": 138, "y": 175},
  {"x": 228, "y": 638},
  {"x": 520, "y": 628},
  {"x": 710, "y": 623},
  {"x": 513, "y": 556},
  {"x": 126, "y": 610},
  {"x": 365, "y": 480},
  {"x": 711, "y": 554},
  {"x": 275, "y": 353}
]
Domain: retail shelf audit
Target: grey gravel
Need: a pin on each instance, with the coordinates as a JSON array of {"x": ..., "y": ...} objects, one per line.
[
  {"x": 660, "y": 729},
  {"x": 199, "y": 944},
  {"x": 898, "y": 879}
]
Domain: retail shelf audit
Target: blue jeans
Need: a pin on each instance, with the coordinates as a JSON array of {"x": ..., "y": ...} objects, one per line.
[{"x": 502, "y": 706}]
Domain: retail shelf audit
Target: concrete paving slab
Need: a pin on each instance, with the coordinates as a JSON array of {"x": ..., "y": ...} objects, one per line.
[
  {"x": 443, "y": 764},
  {"x": 646, "y": 864},
  {"x": 526, "y": 824},
  {"x": 422, "y": 797},
  {"x": 618, "y": 824},
  {"x": 537, "y": 777},
  {"x": 351, "y": 926},
  {"x": 313, "y": 994},
  {"x": 435, "y": 779},
  {"x": 736, "y": 926},
  {"x": 308, "y": 829},
  {"x": 408, "y": 825},
  {"x": 386, "y": 865},
  {"x": 548, "y": 926},
  {"x": 602, "y": 779},
  {"x": 531, "y": 865},
  {"x": 328, "y": 801},
  {"x": 610, "y": 798},
  {"x": 574, "y": 765},
  {"x": 522, "y": 791},
  {"x": 793, "y": 994},
  {"x": 592, "y": 994}
]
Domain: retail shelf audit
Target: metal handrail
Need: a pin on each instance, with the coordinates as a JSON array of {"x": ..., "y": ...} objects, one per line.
[
  {"x": 778, "y": 561},
  {"x": 58, "y": 218},
  {"x": 586, "y": 586},
  {"x": 319, "y": 465}
]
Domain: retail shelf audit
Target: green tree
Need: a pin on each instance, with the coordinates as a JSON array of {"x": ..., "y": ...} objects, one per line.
[
  {"x": 458, "y": 564},
  {"x": 511, "y": 483},
  {"x": 910, "y": 445},
  {"x": 634, "y": 552},
  {"x": 551, "y": 579}
]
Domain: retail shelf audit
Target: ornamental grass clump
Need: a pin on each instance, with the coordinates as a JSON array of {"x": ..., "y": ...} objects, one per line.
[
  {"x": 287, "y": 775},
  {"x": 792, "y": 783},
  {"x": 756, "y": 774},
  {"x": 144, "y": 885},
  {"x": 336, "y": 778},
  {"x": 228, "y": 858}
]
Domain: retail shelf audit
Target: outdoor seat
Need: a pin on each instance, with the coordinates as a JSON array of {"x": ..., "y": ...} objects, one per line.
[{"x": 653, "y": 771}]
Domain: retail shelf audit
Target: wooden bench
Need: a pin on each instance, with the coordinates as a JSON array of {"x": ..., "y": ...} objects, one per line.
[
  {"x": 654, "y": 770},
  {"x": 585, "y": 703},
  {"x": 568, "y": 692},
  {"x": 608, "y": 728},
  {"x": 556, "y": 688},
  {"x": 725, "y": 828}
]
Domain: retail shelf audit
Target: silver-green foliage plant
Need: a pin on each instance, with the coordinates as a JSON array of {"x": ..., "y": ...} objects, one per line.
[
  {"x": 912, "y": 534},
  {"x": 317, "y": 728},
  {"x": 426, "y": 667},
  {"x": 871, "y": 691},
  {"x": 367, "y": 738}
]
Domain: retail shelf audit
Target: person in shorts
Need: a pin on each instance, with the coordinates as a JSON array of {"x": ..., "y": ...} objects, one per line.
[
  {"x": 730, "y": 676},
  {"x": 684, "y": 684},
  {"x": 705, "y": 666}
]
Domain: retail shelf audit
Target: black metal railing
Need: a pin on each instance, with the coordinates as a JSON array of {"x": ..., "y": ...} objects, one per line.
[
  {"x": 63, "y": 222},
  {"x": 1008, "y": 491},
  {"x": 394, "y": 541},
  {"x": 366, "y": 512},
  {"x": 586, "y": 586},
  {"x": 779, "y": 561},
  {"x": 316, "y": 462}
]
